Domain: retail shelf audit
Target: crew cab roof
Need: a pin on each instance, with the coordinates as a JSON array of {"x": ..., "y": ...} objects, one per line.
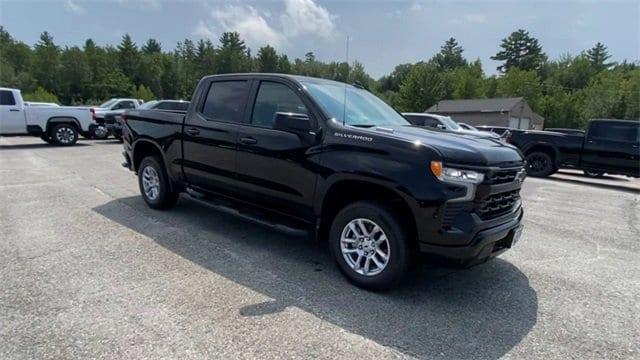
[{"x": 298, "y": 78}]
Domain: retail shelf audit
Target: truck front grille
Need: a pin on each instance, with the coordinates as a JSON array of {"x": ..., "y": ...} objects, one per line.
[
  {"x": 501, "y": 176},
  {"x": 497, "y": 204}
]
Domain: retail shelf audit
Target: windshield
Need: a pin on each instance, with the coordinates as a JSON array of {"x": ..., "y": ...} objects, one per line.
[
  {"x": 363, "y": 108},
  {"x": 108, "y": 103},
  {"x": 450, "y": 124},
  {"x": 148, "y": 105}
]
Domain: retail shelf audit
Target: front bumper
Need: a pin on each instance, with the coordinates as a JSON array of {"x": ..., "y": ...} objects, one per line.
[
  {"x": 485, "y": 244},
  {"x": 471, "y": 230}
]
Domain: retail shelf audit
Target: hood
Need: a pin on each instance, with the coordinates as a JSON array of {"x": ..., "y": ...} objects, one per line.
[{"x": 461, "y": 148}]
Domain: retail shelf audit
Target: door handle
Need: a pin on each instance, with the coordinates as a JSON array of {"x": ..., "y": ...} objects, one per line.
[
  {"x": 193, "y": 131},
  {"x": 14, "y": 110},
  {"x": 248, "y": 140}
]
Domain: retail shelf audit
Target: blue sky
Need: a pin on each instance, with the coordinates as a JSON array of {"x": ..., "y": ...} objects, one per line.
[{"x": 383, "y": 33}]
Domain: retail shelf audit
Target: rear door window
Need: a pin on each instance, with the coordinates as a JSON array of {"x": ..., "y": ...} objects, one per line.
[
  {"x": 225, "y": 101},
  {"x": 6, "y": 98},
  {"x": 615, "y": 131}
]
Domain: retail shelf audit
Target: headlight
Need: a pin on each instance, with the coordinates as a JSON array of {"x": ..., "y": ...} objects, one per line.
[{"x": 455, "y": 175}]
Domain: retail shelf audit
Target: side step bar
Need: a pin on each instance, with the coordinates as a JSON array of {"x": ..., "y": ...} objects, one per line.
[{"x": 254, "y": 215}]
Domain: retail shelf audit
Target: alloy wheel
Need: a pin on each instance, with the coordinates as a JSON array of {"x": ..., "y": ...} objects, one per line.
[
  {"x": 365, "y": 247},
  {"x": 65, "y": 135},
  {"x": 150, "y": 183}
]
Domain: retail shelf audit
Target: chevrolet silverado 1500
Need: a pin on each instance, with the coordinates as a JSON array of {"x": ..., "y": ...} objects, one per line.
[{"x": 306, "y": 154}]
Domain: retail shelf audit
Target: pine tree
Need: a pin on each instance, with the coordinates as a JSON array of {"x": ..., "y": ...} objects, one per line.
[
  {"x": 46, "y": 62},
  {"x": 522, "y": 51},
  {"x": 598, "y": 56},
  {"x": 267, "y": 59},
  {"x": 450, "y": 56},
  {"x": 232, "y": 53},
  {"x": 151, "y": 46},
  {"x": 128, "y": 57}
]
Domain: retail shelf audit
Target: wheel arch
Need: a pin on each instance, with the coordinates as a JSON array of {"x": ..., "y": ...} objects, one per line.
[
  {"x": 544, "y": 147},
  {"x": 142, "y": 148},
  {"x": 345, "y": 191},
  {"x": 55, "y": 120}
]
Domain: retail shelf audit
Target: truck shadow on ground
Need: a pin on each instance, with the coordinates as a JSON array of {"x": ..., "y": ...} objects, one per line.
[
  {"x": 33, "y": 146},
  {"x": 612, "y": 183},
  {"x": 477, "y": 313}
]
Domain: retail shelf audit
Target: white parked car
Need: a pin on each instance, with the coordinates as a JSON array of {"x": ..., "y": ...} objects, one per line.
[
  {"x": 444, "y": 123},
  {"x": 58, "y": 125}
]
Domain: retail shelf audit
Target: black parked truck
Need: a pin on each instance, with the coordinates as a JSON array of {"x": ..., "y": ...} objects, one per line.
[
  {"x": 608, "y": 146},
  {"x": 290, "y": 152}
]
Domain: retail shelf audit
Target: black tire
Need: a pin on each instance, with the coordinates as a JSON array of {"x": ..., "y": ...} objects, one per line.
[
  {"x": 100, "y": 133},
  {"x": 594, "y": 174},
  {"x": 46, "y": 138},
  {"x": 540, "y": 164},
  {"x": 399, "y": 259},
  {"x": 165, "y": 197},
  {"x": 64, "y": 134}
]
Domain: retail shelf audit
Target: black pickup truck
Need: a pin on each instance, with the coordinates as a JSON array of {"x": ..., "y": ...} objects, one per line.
[
  {"x": 329, "y": 159},
  {"x": 608, "y": 146}
]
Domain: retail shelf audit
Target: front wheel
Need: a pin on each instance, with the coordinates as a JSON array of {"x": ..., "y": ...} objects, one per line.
[
  {"x": 594, "y": 174},
  {"x": 155, "y": 187},
  {"x": 64, "y": 135},
  {"x": 540, "y": 164},
  {"x": 370, "y": 245},
  {"x": 46, "y": 138}
]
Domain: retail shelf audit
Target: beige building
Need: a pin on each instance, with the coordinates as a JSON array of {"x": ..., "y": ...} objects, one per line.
[{"x": 506, "y": 112}]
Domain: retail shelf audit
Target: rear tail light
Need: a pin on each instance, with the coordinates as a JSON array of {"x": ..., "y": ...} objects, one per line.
[{"x": 93, "y": 114}]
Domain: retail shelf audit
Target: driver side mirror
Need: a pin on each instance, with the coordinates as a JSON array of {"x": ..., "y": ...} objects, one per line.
[
  {"x": 441, "y": 127},
  {"x": 292, "y": 122}
]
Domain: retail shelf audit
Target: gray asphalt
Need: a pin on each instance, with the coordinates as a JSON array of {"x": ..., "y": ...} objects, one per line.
[{"x": 88, "y": 271}]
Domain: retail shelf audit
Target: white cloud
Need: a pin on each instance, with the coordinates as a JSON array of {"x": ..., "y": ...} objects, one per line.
[
  {"x": 307, "y": 17},
  {"x": 247, "y": 21},
  {"x": 73, "y": 7},
  {"x": 142, "y": 4},
  {"x": 416, "y": 6},
  {"x": 300, "y": 17},
  {"x": 202, "y": 30},
  {"x": 469, "y": 19}
]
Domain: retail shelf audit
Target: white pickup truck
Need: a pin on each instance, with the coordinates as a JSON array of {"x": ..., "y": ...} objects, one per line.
[{"x": 55, "y": 125}]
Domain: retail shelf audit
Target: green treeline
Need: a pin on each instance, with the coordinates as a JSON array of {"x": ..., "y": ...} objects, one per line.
[{"x": 566, "y": 91}]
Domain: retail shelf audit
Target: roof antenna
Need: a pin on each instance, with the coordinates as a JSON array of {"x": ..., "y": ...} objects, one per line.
[{"x": 344, "y": 103}]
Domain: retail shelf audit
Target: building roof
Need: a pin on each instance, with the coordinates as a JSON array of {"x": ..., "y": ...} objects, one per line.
[{"x": 475, "y": 105}]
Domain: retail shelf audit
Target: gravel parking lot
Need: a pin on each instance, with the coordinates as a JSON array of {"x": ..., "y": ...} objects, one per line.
[{"x": 88, "y": 271}]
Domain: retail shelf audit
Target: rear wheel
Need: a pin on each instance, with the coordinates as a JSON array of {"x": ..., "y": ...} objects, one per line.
[
  {"x": 540, "y": 164},
  {"x": 63, "y": 134},
  {"x": 100, "y": 132},
  {"x": 370, "y": 245},
  {"x": 155, "y": 187}
]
